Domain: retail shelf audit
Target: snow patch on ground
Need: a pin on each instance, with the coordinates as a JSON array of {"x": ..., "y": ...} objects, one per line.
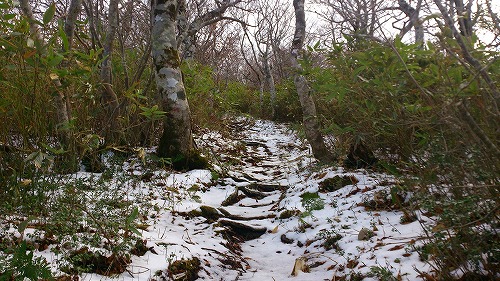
[{"x": 265, "y": 153}]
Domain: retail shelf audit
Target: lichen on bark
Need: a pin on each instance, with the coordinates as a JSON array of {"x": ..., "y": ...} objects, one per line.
[{"x": 176, "y": 141}]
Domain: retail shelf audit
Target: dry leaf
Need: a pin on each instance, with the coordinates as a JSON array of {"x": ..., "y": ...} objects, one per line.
[
  {"x": 275, "y": 230},
  {"x": 300, "y": 265},
  {"x": 398, "y": 247},
  {"x": 25, "y": 182}
]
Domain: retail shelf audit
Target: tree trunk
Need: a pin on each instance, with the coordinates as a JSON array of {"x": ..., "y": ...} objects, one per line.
[
  {"x": 176, "y": 141},
  {"x": 61, "y": 98},
  {"x": 70, "y": 22},
  {"x": 310, "y": 119},
  {"x": 28, "y": 13},
  {"x": 109, "y": 98},
  {"x": 63, "y": 115},
  {"x": 269, "y": 81},
  {"x": 464, "y": 17},
  {"x": 413, "y": 15}
]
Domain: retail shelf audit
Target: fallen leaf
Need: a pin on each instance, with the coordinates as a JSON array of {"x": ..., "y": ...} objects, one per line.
[
  {"x": 398, "y": 247},
  {"x": 275, "y": 229},
  {"x": 352, "y": 264},
  {"x": 300, "y": 265}
]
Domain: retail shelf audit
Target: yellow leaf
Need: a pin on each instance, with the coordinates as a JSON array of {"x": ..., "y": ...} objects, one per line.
[
  {"x": 83, "y": 66},
  {"x": 275, "y": 229},
  {"x": 438, "y": 227},
  {"x": 25, "y": 182},
  {"x": 54, "y": 76},
  {"x": 141, "y": 153},
  {"x": 300, "y": 265}
]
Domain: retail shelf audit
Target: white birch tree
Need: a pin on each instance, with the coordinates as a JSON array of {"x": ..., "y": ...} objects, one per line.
[
  {"x": 176, "y": 140},
  {"x": 310, "y": 118},
  {"x": 169, "y": 33}
]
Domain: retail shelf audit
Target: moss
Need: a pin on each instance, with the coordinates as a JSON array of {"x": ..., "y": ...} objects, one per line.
[
  {"x": 188, "y": 268},
  {"x": 84, "y": 260},
  {"x": 192, "y": 162},
  {"x": 288, "y": 214},
  {"x": 210, "y": 213},
  {"x": 172, "y": 57},
  {"x": 337, "y": 182}
]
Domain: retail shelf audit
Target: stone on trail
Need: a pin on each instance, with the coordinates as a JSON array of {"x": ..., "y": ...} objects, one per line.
[{"x": 243, "y": 231}]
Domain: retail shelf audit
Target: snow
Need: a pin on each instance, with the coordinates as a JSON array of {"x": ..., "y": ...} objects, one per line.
[{"x": 269, "y": 154}]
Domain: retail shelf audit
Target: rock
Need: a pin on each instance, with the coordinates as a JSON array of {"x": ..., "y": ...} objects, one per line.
[
  {"x": 243, "y": 231},
  {"x": 365, "y": 234},
  {"x": 285, "y": 239},
  {"x": 232, "y": 199}
]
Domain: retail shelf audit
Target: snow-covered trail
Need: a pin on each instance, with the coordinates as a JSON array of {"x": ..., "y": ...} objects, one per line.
[{"x": 272, "y": 208}]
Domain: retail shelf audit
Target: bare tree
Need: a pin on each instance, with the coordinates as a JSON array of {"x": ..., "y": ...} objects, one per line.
[
  {"x": 414, "y": 20},
  {"x": 217, "y": 46},
  {"x": 310, "y": 118},
  {"x": 270, "y": 32},
  {"x": 356, "y": 18},
  {"x": 205, "y": 15}
]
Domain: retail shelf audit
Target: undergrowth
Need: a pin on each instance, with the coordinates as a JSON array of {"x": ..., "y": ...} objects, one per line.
[
  {"x": 72, "y": 214},
  {"x": 429, "y": 117}
]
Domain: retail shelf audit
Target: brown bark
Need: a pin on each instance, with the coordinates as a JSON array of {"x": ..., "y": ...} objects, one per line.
[{"x": 310, "y": 119}]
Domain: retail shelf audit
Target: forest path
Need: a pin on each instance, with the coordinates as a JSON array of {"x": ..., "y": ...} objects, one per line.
[
  {"x": 269, "y": 213},
  {"x": 282, "y": 217},
  {"x": 267, "y": 158}
]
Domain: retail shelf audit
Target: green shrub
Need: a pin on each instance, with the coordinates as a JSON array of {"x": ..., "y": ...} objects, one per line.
[
  {"x": 22, "y": 265},
  {"x": 401, "y": 100}
]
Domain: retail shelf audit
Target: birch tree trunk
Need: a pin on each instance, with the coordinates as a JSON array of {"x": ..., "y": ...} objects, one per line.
[
  {"x": 109, "y": 97},
  {"x": 269, "y": 81},
  {"x": 415, "y": 22},
  {"x": 176, "y": 141},
  {"x": 310, "y": 119}
]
